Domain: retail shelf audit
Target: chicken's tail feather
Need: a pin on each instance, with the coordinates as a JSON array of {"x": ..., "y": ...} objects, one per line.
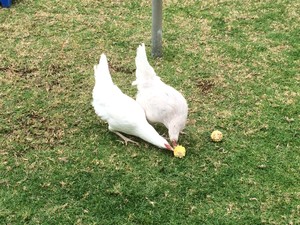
[
  {"x": 141, "y": 56},
  {"x": 144, "y": 70},
  {"x": 101, "y": 71}
]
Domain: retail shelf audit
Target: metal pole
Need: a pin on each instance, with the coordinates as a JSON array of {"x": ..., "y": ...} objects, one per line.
[{"x": 156, "y": 28}]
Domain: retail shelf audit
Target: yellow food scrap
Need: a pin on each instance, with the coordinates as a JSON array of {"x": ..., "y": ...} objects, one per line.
[
  {"x": 216, "y": 136},
  {"x": 179, "y": 151}
]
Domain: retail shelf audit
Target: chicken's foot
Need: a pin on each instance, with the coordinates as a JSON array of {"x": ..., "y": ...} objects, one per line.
[{"x": 125, "y": 139}]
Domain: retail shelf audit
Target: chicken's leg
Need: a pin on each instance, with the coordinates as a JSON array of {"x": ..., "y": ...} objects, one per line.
[{"x": 125, "y": 138}]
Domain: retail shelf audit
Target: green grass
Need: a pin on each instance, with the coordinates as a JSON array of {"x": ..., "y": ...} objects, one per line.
[{"x": 237, "y": 64}]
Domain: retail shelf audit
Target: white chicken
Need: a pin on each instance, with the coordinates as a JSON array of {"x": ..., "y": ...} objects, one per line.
[
  {"x": 161, "y": 102},
  {"x": 122, "y": 113}
]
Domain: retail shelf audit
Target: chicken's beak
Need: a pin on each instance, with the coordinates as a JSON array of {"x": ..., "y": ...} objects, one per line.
[
  {"x": 174, "y": 143},
  {"x": 169, "y": 147}
]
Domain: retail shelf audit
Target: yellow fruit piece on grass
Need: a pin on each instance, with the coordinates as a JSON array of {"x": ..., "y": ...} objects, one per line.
[
  {"x": 179, "y": 151},
  {"x": 216, "y": 136}
]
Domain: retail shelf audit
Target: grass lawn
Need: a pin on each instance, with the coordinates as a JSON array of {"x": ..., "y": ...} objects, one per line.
[{"x": 235, "y": 61}]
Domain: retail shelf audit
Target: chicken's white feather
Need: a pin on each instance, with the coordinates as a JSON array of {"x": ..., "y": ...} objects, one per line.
[
  {"x": 161, "y": 102},
  {"x": 121, "y": 112}
]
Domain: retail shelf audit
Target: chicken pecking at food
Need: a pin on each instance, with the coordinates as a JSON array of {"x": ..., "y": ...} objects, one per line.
[
  {"x": 161, "y": 102},
  {"x": 122, "y": 113}
]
